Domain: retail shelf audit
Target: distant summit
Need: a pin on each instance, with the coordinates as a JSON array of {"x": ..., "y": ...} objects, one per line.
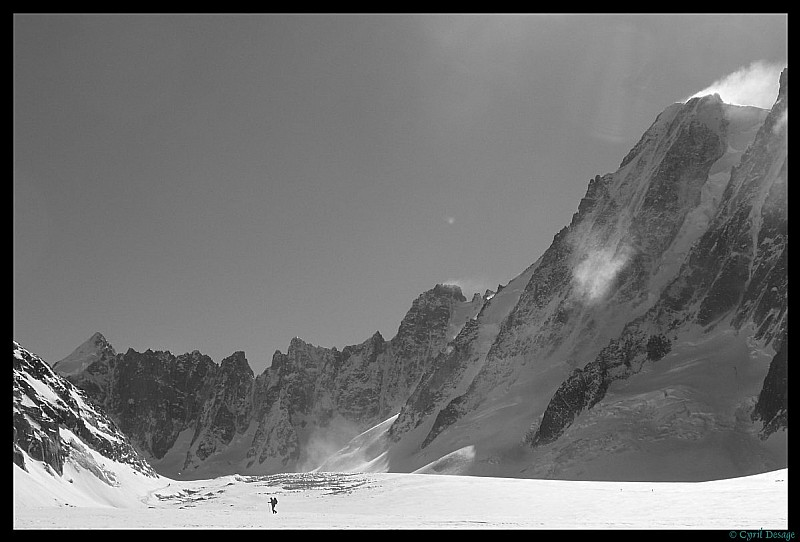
[{"x": 96, "y": 348}]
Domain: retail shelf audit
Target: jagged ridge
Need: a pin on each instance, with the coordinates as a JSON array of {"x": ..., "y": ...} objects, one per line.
[{"x": 188, "y": 406}]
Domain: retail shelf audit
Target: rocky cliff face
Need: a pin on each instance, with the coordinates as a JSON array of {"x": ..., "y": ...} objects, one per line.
[
  {"x": 226, "y": 410},
  {"x": 772, "y": 408},
  {"x": 154, "y": 396},
  {"x": 55, "y": 423}
]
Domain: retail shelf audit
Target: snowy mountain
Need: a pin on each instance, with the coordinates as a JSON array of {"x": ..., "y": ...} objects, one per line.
[
  {"x": 643, "y": 336},
  {"x": 648, "y": 342},
  {"x": 62, "y": 438}
]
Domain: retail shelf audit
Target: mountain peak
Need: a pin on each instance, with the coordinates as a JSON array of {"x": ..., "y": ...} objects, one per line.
[
  {"x": 98, "y": 340},
  {"x": 236, "y": 362},
  {"x": 447, "y": 290},
  {"x": 93, "y": 349}
]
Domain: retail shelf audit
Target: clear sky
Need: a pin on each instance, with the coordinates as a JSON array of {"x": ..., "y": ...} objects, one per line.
[{"x": 228, "y": 182}]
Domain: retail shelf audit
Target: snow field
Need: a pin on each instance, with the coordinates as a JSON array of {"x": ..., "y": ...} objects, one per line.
[{"x": 421, "y": 501}]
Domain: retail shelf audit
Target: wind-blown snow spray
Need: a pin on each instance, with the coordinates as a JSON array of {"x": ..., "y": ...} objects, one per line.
[
  {"x": 324, "y": 442},
  {"x": 596, "y": 261},
  {"x": 756, "y": 84},
  {"x": 595, "y": 274}
]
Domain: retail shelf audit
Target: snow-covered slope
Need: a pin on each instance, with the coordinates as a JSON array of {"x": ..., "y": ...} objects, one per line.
[
  {"x": 37, "y": 487},
  {"x": 366, "y": 452},
  {"x": 65, "y": 446}
]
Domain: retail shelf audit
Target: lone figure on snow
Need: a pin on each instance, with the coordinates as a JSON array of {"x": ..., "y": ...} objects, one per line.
[{"x": 273, "y": 501}]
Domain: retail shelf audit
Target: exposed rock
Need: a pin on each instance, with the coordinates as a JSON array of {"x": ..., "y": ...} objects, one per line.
[{"x": 772, "y": 407}]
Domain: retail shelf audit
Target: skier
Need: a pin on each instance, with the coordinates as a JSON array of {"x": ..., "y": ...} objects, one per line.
[{"x": 273, "y": 501}]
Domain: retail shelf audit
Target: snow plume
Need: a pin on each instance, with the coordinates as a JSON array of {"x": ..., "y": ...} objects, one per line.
[
  {"x": 756, "y": 84},
  {"x": 324, "y": 442},
  {"x": 596, "y": 273},
  {"x": 595, "y": 265}
]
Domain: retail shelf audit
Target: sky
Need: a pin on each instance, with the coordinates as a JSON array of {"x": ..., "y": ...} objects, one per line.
[{"x": 228, "y": 182}]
